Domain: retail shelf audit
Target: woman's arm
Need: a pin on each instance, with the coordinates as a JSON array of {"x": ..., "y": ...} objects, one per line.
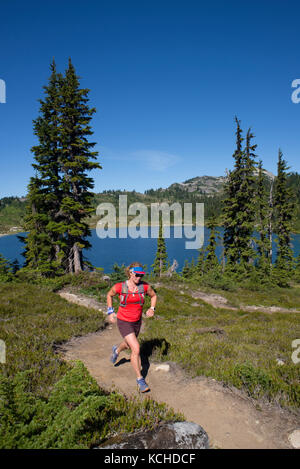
[
  {"x": 112, "y": 292},
  {"x": 111, "y": 316},
  {"x": 153, "y": 297}
]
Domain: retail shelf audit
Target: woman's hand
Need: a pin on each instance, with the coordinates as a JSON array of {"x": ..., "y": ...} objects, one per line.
[
  {"x": 112, "y": 318},
  {"x": 150, "y": 313}
]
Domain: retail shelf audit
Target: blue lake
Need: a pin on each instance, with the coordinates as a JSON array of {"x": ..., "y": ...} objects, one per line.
[{"x": 105, "y": 252}]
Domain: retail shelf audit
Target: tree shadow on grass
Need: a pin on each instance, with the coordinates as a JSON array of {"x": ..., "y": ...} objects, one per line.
[{"x": 147, "y": 349}]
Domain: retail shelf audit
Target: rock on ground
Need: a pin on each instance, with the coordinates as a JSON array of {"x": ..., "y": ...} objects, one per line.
[
  {"x": 163, "y": 367},
  {"x": 294, "y": 439},
  {"x": 178, "y": 435}
]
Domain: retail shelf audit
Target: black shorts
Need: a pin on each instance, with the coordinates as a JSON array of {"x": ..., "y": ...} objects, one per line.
[{"x": 126, "y": 327}]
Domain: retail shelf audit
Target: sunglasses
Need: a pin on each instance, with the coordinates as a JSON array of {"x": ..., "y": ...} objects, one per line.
[{"x": 139, "y": 275}]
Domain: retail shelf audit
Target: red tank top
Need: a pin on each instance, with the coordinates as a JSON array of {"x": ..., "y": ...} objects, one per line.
[{"x": 132, "y": 311}]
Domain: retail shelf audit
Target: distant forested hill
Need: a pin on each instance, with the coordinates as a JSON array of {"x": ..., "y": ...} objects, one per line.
[
  {"x": 206, "y": 189},
  {"x": 12, "y": 211}
]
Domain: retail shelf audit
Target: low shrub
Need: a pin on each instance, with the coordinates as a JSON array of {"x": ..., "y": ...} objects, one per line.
[{"x": 76, "y": 415}]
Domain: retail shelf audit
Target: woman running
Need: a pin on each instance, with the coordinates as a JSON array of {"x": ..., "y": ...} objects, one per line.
[{"x": 129, "y": 316}]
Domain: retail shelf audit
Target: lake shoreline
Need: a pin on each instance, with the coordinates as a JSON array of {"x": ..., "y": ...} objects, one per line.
[
  {"x": 94, "y": 227},
  {"x": 10, "y": 233}
]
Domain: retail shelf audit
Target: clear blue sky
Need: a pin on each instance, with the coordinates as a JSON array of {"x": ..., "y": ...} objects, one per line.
[{"x": 166, "y": 77}]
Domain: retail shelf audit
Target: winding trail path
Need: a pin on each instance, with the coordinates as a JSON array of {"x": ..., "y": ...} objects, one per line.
[{"x": 231, "y": 419}]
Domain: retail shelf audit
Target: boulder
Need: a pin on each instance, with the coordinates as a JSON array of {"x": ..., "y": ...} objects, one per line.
[
  {"x": 294, "y": 439},
  {"x": 163, "y": 367},
  {"x": 178, "y": 435}
]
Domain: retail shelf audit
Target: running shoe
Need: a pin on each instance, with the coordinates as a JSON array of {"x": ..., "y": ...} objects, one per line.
[
  {"x": 114, "y": 356},
  {"x": 143, "y": 386}
]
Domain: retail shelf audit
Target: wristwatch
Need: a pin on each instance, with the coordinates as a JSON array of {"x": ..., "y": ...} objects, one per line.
[{"x": 152, "y": 307}]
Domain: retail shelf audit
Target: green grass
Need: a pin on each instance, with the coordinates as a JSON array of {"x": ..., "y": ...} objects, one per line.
[
  {"x": 261, "y": 295},
  {"x": 33, "y": 319},
  {"x": 243, "y": 356},
  {"x": 45, "y": 403},
  {"x": 279, "y": 297}
]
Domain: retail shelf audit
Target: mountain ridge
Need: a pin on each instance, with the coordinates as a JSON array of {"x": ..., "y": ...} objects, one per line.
[{"x": 210, "y": 185}]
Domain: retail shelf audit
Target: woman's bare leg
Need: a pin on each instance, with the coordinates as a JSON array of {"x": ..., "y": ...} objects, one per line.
[
  {"x": 135, "y": 353},
  {"x": 123, "y": 346}
]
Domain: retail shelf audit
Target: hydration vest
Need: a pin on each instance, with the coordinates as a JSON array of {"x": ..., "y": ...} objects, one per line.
[{"x": 125, "y": 293}]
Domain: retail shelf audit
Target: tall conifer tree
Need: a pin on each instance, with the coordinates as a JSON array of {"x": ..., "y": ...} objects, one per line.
[
  {"x": 201, "y": 261},
  {"x": 231, "y": 207},
  {"x": 247, "y": 197},
  {"x": 284, "y": 210},
  {"x": 211, "y": 261},
  {"x": 263, "y": 209},
  {"x": 75, "y": 161},
  {"x": 43, "y": 194},
  {"x": 238, "y": 214},
  {"x": 59, "y": 198},
  {"x": 160, "y": 261},
  {"x": 186, "y": 269}
]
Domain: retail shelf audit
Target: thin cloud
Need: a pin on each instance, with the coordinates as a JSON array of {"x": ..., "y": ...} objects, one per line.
[
  {"x": 153, "y": 160},
  {"x": 156, "y": 160}
]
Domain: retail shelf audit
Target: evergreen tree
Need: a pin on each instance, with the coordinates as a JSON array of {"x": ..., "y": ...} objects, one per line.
[
  {"x": 193, "y": 268},
  {"x": 58, "y": 195},
  {"x": 284, "y": 208},
  {"x": 247, "y": 197},
  {"x": 43, "y": 195},
  {"x": 5, "y": 265},
  {"x": 238, "y": 213},
  {"x": 263, "y": 243},
  {"x": 297, "y": 268},
  {"x": 211, "y": 261},
  {"x": 15, "y": 266},
  {"x": 231, "y": 207},
  {"x": 160, "y": 261},
  {"x": 75, "y": 161},
  {"x": 186, "y": 269},
  {"x": 7, "y": 269},
  {"x": 270, "y": 223},
  {"x": 118, "y": 273},
  {"x": 200, "y": 261}
]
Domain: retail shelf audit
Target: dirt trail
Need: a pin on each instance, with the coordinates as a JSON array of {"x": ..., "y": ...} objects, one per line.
[{"x": 230, "y": 418}]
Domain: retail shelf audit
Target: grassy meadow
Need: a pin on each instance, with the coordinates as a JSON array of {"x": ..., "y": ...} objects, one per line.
[
  {"x": 239, "y": 348},
  {"x": 45, "y": 402}
]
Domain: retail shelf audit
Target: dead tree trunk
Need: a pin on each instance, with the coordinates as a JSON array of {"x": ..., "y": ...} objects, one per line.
[{"x": 77, "y": 259}]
